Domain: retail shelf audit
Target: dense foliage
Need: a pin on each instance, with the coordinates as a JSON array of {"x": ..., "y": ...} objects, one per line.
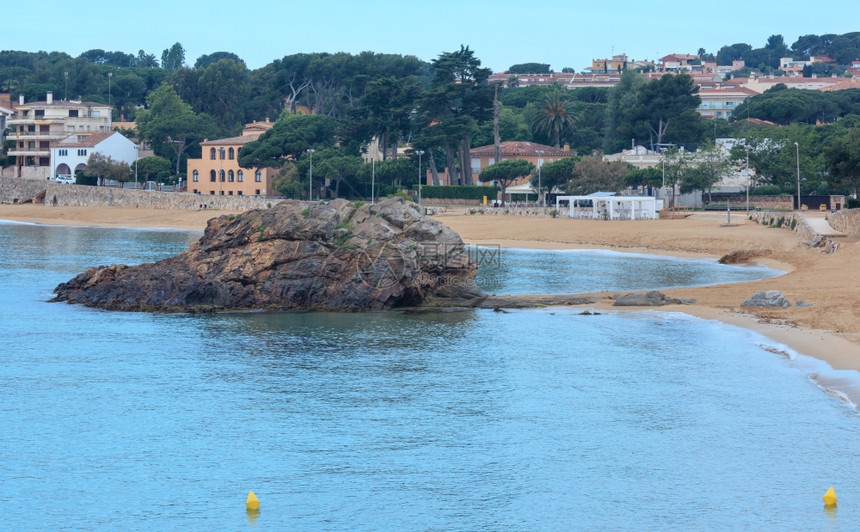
[{"x": 337, "y": 103}]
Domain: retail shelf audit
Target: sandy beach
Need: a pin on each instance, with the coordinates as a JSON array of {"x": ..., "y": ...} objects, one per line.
[{"x": 829, "y": 283}]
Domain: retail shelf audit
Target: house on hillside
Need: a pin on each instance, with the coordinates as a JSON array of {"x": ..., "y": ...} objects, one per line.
[
  {"x": 678, "y": 63},
  {"x": 69, "y": 155},
  {"x": 720, "y": 101},
  {"x": 37, "y": 126},
  {"x": 484, "y": 156},
  {"x": 217, "y": 171}
]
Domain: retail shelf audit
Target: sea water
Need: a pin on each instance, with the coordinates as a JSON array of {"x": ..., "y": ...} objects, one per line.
[{"x": 477, "y": 420}]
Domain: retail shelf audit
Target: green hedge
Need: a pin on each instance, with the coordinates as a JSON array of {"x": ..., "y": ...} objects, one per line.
[{"x": 459, "y": 192}]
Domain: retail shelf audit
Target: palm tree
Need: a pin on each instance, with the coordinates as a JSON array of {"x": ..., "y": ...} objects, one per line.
[{"x": 556, "y": 117}]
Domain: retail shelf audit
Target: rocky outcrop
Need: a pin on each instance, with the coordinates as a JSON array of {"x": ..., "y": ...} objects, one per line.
[
  {"x": 744, "y": 256},
  {"x": 652, "y": 298},
  {"x": 766, "y": 298},
  {"x": 295, "y": 256}
]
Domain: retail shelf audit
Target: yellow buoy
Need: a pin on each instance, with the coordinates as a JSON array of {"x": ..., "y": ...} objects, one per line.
[
  {"x": 830, "y": 497},
  {"x": 253, "y": 503}
]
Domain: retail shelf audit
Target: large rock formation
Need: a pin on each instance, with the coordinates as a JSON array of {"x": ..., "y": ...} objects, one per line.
[{"x": 295, "y": 256}]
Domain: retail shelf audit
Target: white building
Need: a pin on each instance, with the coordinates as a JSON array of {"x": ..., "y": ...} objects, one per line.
[
  {"x": 606, "y": 206},
  {"x": 37, "y": 126},
  {"x": 70, "y": 155}
]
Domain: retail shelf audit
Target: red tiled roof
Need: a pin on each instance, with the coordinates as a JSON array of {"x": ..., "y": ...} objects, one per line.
[
  {"x": 522, "y": 148},
  {"x": 90, "y": 141},
  {"x": 232, "y": 141}
]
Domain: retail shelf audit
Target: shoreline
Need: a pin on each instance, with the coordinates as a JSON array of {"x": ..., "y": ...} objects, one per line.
[{"x": 702, "y": 237}]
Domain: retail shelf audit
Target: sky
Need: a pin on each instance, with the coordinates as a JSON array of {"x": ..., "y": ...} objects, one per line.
[{"x": 501, "y": 33}]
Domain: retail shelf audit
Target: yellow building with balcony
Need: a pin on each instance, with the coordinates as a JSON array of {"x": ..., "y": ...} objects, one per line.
[{"x": 37, "y": 126}]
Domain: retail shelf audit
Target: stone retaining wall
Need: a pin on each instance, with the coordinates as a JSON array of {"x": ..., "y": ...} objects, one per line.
[
  {"x": 846, "y": 221},
  {"x": 16, "y": 190},
  {"x": 801, "y": 226}
]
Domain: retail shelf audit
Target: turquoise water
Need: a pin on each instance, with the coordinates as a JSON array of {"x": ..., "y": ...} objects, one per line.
[{"x": 527, "y": 420}]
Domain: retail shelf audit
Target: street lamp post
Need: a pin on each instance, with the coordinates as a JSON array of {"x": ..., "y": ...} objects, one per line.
[
  {"x": 372, "y": 177},
  {"x": 420, "y": 153},
  {"x": 311, "y": 176},
  {"x": 539, "y": 152},
  {"x": 797, "y": 149}
]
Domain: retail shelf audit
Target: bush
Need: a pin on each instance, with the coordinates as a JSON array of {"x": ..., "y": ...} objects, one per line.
[
  {"x": 852, "y": 203},
  {"x": 766, "y": 190},
  {"x": 468, "y": 192}
]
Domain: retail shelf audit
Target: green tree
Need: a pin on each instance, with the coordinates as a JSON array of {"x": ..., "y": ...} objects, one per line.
[
  {"x": 458, "y": 99},
  {"x": 555, "y": 118},
  {"x": 222, "y": 88},
  {"x": 843, "y": 160},
  {"x": 664, "y": 112},
  {"x": 104, "y": 167},
  {"x": 675, "y": 165},
  {"x": 173, "y": 58},
  {"x": 530, "y": 68},
  {"x": 644, "y": 177},
  {"x": 621, "y": 97},
  {"x": 555, "y": 175},
  {"x": 207, "y": 59},
  {"x": 394, "y": 172},
  {"x": 290, "y": 137},
  {"x": 335, "y": 167},
  {"x": 506, "y": 172},
  {"x": 386, "y": 109},
  {"x": 145, "y": 60},
  {"x": 149, "y": 168},
  {"x": 288, "y": 182},
  {"x": 171, "y": 126},
  {"x": 593, "y": 174},
  {"x": 712, "y": 166}
]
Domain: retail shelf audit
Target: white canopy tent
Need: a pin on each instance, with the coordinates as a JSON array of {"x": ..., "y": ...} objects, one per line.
[{"x": 601, "y": 205}]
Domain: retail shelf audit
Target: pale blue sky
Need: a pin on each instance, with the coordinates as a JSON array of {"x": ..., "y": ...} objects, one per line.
[{"x": 563, "y": 33}]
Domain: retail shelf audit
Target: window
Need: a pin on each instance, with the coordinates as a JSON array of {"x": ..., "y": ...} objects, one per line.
[
  {"x": 240, "y": 176},
  {"x": 212, "y": 192},
  {"x": 31, "y": 127},
  {"x": 212, "y": 175},
  {"x": 63, "y": 153},
  {"x": 222, "y": 153},
  {"x": 32, "y": 144},
  {"x": 230, "y": 193},
  {"x": 82, "y": 153},
  {"x": 258, "y": 177},
  {"x": 239, "y": 193},
  {"x": 40, "y": 113},
  {"x": 196, "y": 176},
  {"x": 232, "y": 154},
  {"x": 212, "y": 154},
  {"x": 221, "y": 174},
  {"x": 222, "y": 192},
  {"x": 73, "y": 113},
  {"x": 258, "y": 192},
  {"x": 230, "y": 176}
]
